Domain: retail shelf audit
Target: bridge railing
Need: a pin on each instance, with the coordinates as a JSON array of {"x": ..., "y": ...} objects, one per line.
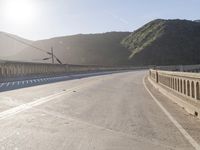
[
  {"x": 182, "y": 68},
  {"x": 11, "y": 70},
  {"x": 186, "y": 84}
]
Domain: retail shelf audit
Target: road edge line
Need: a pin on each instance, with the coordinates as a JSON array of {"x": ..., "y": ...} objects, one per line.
[{"x": 173, "y": 120}]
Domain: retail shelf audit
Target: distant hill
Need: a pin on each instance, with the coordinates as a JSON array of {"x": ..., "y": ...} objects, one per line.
[
  {"x": 165, "y": 42},
  {"x": 99, "y": 49},
  {"x": 9, "y": 46},
  {"x": 159, "y": 42}
]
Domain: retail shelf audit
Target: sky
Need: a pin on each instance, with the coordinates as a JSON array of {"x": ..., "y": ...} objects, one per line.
[{"x": 42, "y": 19}]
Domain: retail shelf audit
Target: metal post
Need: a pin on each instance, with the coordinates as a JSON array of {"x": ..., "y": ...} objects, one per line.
[{"x": 52, "y": 55}]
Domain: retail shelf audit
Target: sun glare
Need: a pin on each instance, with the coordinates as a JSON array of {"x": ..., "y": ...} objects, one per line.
[{"x": 19, "y": 11}]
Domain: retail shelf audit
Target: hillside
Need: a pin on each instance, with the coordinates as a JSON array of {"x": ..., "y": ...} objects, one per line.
[
  {"x": 9, "y": 46},
  {"x": 165, "y": 42},
  {"x": 160, "y": 42},
  {"x": 100, "y": 49}
]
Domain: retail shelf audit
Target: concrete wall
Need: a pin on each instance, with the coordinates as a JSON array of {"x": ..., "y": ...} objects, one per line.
[
  {"x": 185, "y": 84},
  {"x": 18, "y": 69},
  {"x": 182, "y": 68},
  {"x": 10, "y": 70}
]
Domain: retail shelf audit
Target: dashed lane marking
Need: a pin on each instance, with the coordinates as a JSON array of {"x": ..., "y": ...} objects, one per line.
[
  {"x": 24, "y": 107},
  {"x": 8, "y": 84},
  {"x": 2, "y": 84}
]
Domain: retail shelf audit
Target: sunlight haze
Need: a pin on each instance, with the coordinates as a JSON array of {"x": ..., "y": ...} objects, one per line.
[{"x": 40, "y": 19}]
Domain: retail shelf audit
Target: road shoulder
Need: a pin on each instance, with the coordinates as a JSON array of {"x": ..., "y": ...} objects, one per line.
[{"x": 190, "y": 123}]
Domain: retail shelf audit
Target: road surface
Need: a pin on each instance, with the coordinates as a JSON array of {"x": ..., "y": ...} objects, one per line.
[{"x": 107, "y": 112}]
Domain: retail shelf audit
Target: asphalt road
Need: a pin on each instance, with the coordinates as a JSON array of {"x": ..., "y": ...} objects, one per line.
[{"x": 105, "y": 112}]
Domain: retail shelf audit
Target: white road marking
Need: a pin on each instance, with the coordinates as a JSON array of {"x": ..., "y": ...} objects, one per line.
[
  {"x": 173, "y": 120},
  {"x": 18, "y": 82},
  {"x": 24, "y": 107},
  {"x": 22, "y": 82},
  {"x": 13, "y": 83},
  {"x": 1, "y": 85},
  {"x": 27, "y": 81},
  {"x": 8, "y": 84}
]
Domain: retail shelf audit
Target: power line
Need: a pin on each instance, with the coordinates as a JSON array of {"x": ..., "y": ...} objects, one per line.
[
  {"x": 37, "y": 48},
  {"x": 25, "y": 43}
]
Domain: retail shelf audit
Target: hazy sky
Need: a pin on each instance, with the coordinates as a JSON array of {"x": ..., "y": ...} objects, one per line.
[{"x": 39, "y": 19}]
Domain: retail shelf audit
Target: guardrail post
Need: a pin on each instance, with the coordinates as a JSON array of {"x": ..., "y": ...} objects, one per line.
[
  {"x": 195, "y": 90},
  {"x": 150, "y": 73},
  {"x": 156, "y": 77}
]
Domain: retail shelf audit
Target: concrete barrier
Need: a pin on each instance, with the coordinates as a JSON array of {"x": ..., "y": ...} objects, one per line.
[
  {"x": 185, "y": 84},
  {"x": 181, "y": 87},
  {"x": 182, "y": 68},
  {"x": 12, "y": 70}
]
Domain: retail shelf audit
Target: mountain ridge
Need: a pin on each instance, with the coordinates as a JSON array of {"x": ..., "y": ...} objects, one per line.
[
  {"x": 170, "y": 42},
  {"x": 159, "y": 42}
]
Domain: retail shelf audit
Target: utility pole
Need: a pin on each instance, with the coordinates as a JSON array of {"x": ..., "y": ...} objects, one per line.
[{"x": 52, "y": 55}]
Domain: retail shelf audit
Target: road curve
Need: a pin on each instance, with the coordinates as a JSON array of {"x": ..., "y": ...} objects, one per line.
[
  {"x": 108, "y": 112},
  {"x": 24, "y": 83}
]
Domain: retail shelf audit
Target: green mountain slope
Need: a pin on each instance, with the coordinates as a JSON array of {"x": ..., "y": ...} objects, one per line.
[{"x": 165, "y": 42}]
